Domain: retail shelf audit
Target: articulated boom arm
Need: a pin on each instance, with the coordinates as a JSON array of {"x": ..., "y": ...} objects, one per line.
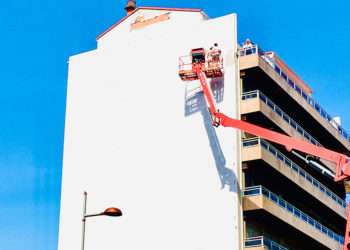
[
  {"x": 342, "y": 161},
  {"x": 207, "y": 91}
]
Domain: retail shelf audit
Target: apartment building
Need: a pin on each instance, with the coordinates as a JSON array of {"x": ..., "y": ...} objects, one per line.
[{"x": 289, "y": 202}]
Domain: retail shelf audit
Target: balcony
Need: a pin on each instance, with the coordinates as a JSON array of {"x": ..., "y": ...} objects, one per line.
[
  {"x": 254, "y": 57},
  {"x": 256, "y": 101},
  {"x": 262, "y": 243},
  {"x": 259, "y": 149},
  {"x": 276, "y": 110},
  {"x": 259, "y": 198}
]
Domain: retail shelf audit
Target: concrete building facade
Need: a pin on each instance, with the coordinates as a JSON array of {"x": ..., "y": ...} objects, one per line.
[
  {"x": 139, "y": 138},
  {"x": 287, "y": 202}
]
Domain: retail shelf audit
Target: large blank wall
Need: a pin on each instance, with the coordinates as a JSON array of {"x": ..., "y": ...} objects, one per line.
[{"x": 139, "y": 138}]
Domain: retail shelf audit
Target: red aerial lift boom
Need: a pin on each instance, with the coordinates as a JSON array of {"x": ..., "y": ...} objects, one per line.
[{"x": 202, "y": 67}]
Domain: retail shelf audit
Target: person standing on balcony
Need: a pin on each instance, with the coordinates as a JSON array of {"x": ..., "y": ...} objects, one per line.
[
  {"x": 248, "y": 44},
  {"x": 248, "y": 48}
]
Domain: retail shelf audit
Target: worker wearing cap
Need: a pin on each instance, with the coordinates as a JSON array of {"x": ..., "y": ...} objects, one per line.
[
  {"x": 216, "y": 48},
  {"x": 216, "y": 54}
]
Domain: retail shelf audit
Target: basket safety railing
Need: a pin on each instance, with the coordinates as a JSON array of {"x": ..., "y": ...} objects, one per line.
[{"x": 185, "y": 63}]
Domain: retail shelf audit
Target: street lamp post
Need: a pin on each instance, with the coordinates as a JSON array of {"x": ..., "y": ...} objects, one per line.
[{"x": 111, "y": 211}]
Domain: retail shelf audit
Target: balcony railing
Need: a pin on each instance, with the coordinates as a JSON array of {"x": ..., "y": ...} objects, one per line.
[
  {"x": 251, "y": 50},
  {"x": 280, "y": 113},
  {"x": 290, "y": 164},
  {"x": 312, "y": 102},
  {"x": 260, "y": 190},
  {"x": 262, "y": 241}
]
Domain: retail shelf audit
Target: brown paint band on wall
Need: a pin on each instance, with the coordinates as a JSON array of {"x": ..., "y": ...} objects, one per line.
[{"x": 141, "y": 22}]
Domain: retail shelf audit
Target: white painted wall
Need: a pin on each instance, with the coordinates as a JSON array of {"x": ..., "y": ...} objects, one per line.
[{"x": 139, "y": 138}]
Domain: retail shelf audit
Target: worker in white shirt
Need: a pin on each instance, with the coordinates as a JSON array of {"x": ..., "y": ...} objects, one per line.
[
  {"x": 216, "y": 53},
  {"x": 248, "y": 44}
]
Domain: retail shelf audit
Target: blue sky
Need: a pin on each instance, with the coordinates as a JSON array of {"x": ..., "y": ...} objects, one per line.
[{"x": 38, "y": 36}]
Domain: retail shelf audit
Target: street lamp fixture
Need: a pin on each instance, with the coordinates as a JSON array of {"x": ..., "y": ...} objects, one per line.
[{"x": 111, "y": 211}]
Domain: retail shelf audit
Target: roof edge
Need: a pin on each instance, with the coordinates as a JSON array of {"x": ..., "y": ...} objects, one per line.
[
  {"x": 146, "y": 8},
  {"x": 173, "y": 9}
]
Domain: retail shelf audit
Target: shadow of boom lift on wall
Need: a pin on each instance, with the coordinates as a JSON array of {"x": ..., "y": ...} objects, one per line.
[{"x": 195, "y": 103}]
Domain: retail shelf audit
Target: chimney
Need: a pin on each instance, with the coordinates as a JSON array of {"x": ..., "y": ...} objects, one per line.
[{"x": 130, "y": 6}]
